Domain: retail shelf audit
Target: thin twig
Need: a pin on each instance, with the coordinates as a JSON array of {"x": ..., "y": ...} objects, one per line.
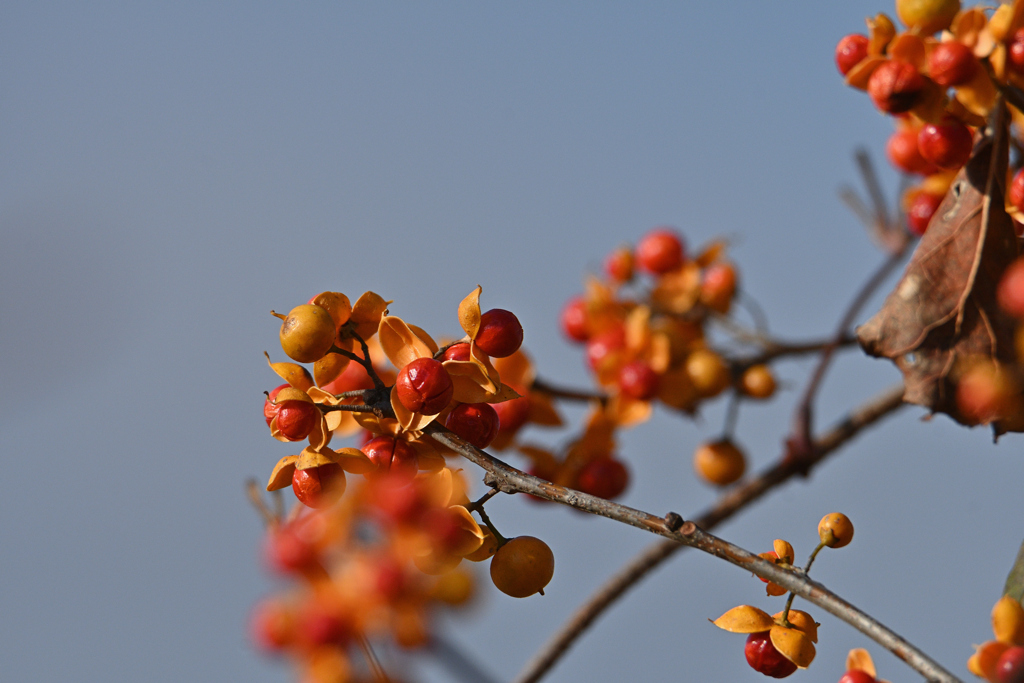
[
  {"x": 729, "y": 504},
  {"x": 568, "y": 394}
]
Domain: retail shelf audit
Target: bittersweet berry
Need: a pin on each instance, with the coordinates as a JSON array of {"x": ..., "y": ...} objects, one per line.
[
  {"x": 707, "y": 372},
  {"x": 835, "y": 530},
  {"x": 574, "y": 320},
  {"x": 619, "y": 265},
  {"x": 896, "y": 87},
  {"x": 1015, "y": 193},
  {"x": 318, "y": 487},
  {"x": 392, "y": 456},
  {"x": 522, "y": 567},
  {"x": 307, "y": 333},
  {"x": 1010, "y": 292},
  {"x": 719, "y": 462},
  {"x": 604, "y": 478},
  {"x": 927, "y": 16},
  {"x": 317, "y": 624},
  {"x": 638, "y": 380},
  {"x": 904, "y": 154},
  {"x": 289, "y": 548},
  {"x": 718, "y": 287},
  {"x": 757, "y": 382},
  {"x": 764, "y": 658},
  {"x": 850, "y": 51},
  {"x": 922, "y": 207},
  {"x": 500, "y": 333},
  {"x": 270, "y": 406},
  {"x": 457, "y": 352},
  {"x": 424, "y": 386},
  {"x": 660, "y": 251},
  {"x": 857, "y": 676},
  {"x": 513, "y": 414},
  {"x": 952, "y": 63},
  {"x": 272, "y": 625},
  {"x": 947, "y": 144},
  {"x": 604, "y": 348},
  {"x": 1010, "y": 667},
  {"x": 296, "y": 419},
  {"x": 477, "y": 423},
  {"x": 1015, "y": 51}
]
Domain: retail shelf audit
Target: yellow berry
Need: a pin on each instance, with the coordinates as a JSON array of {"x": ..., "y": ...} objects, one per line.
[
  {"x": 927, "y": 16},
  {"x": 835, "y": 530},
  {"x": 307, "y": 334},
  {"x": 758, "y": 382},
  {"x": 708, "y": 372},
  {"x": 719, "y": 462},
  {"x": 522, "y": 567}
]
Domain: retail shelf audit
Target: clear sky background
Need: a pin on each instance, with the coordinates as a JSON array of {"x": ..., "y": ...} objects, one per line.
[{"x": 169, "y": 172}]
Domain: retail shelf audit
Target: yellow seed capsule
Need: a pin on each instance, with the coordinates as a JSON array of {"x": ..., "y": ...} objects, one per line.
[
  {"x": 307, "y": 334},
  {"x": 835, "y": 530},
  {"x": 719, "y": 462},
  {"x": 758, "y": 382},
  {"x": 1008, "y": 621},
  {"x": 927, "y": 16},
  {"x": 707, "y": 372},
  {"x": 522, "y": 567}
]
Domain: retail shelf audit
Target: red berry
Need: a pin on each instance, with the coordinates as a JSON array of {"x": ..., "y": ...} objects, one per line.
[
  {"x": 764, "y": 658},
  {"x": 318, "y": 487},
  {"x": 603, "y": 347},
  {"x": 352, "y": 378},
  {"x": 947, "y": 144},
  {"x": 850, "y": 51},
  {"x": 951, "y": 63},
  {"x": 1010, "y": 292},
  {"x": 857, "y": 676},
  {"x": 1015, "y": 51},
  {"x": 296, "y": 419},
  {"x": 512, "y": 414},
  {"x": 895, "y": 87},
  {"x": 269, "y": 407},
  {"x": 660, "y": 251},
  {"x": 718, "y": 286},
  {"x": 1016, "y": 192},
  {"x": 1010, "y": 666},
  {"x": 903, "y": 152},
  {"x": 457, "y": 352},
  {"x": 574, "y": 320},
  {"x": 272, "y": 625},
  {"x": 619, "y": 265},
  {"x": 391, "y": 455},
  {"x": 397, "y": 501},
  {"x": 477, "y": 423},
  {"x": 921, "y": 210},
  {"x": 771, "y": 556},
  {"x": 500, "y": 333},
  {"x": 604, "y": 478},
  {"x": 289, "y": 549},
  {"x": 423, "y": 386},
  {"x": 319, "y": 625},
  {"x": 638, "y": 380}
]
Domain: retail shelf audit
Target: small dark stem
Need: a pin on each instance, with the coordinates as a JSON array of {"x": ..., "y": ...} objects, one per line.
[
  {"x": 490, "y": 525},
  {"x": 349, "y": 409},
  {"x": 807, "y": 571},
  {"x": 478, "y": 504},
  {"x": 568, "y": 394}
]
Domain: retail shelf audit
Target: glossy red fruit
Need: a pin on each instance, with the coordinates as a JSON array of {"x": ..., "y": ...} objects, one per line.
[
  {"x": 604, "y": 346},
  {"x": 457, "y": 352},
  {"x": 319, "y": 487},
  {"x": 574, "y": 320},
  {"x": 947, "y": 144},
  {"x": 718, "y": 286},
  {"x": 638, "y": 380},
  {"x": 952, "y": 63},
  {"x": 296, "y": 419},
  {"x": 352, "y": 378},
  {"x": 392, "y": 456},
  {"x": 269, "y": 407},
  {"x": 289, "y": 549},
  {"x": 1010, "y": 666},
  {"x": 764, "y": 658},
  {"x": 423, "y": 386},
  {"x": 903, "y": 153},
  {"x": 477, "y": 423},
  {"x": 1016, "y": 192},
  {"x": 660, "y": 251},
  {"x": 921, "y": 210},
  {"x": 604, "y": 478},
  {"x": 1010, "y": 292},
  {"x": 857, "y": 676},
  {"x": 396, "y": 500},
  {"x": 1015, "y": 51},
  {"x": 850, "y": 51},
  {"x": 318, "y": 625},
  {"x": 619, "y": 265},
  {"x": 896, "y": 87},
  {"x": 513, "y": 414},
  {"x": 500, "y": 333}
]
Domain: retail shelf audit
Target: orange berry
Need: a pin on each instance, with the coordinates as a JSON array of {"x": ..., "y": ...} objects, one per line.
[
  {"x": 638, "y": 380},
  {"x": 857, "y": 676},
  {"x": 1010, "y": 292},
  {"x": 951, "y": 63},
  {"x": 424, "y": 386},
  {"x": 835, "y": 530},
  {"x": 522, "y": 567},
  {"x": 922, "y": 207},
  {"x": 927, "y": 16},
  {"x": 296, "y": 419},
  {"x": 574, "y": 320},
  {"x": 707, "y": 372},
  {"x": 718, "y": 287},
  {"x": 500, "y": 334},
  {"x": 603, "y": 349},
  {"x": 896, "y": 87},
  {"x": 318, "y": 487},
  {"x": 487, "y": 549},
  {"x": 307, "y": 333},
  {"x": 477, "y": 423},
  {"x": 660, "y": 251},
  {"x": 619, "y": 265},
  {"x": 719, "y": 462},
  {"x": 604, "y": 478},
  {"x": 758, "y": 382}
]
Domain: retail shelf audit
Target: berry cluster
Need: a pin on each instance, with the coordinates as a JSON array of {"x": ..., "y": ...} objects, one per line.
[
  {"x": 1002, "y": 660},
  {"x": 779, "y": 645}
]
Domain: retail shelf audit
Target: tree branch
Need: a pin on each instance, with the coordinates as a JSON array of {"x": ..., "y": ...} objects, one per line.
[{"x": 729, "y": 504}]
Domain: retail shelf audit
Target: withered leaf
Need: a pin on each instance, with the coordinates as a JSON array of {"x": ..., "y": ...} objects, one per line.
[{"x": 944, "y": 309}]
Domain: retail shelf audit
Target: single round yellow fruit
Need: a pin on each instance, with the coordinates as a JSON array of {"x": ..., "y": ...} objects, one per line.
[
  {"x": 927, "y": 16},
  {"x": 486, "y": 549},
  {"x": 758, "y": 382},
  {"x": 835, "y": 530},
  {"x": 708, "y": 372},
  {"x": 719, "y": 462},
  {"x": 522, "y": 567},
  {"x": 307, "y": 334}
]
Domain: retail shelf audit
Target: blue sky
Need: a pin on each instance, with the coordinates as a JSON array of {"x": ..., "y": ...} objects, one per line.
[{"x": 171, "y": 172}]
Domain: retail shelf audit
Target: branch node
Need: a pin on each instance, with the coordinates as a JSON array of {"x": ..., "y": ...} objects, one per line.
[
  {"x": 673, "y": 521},
  {"x": 688, "y": 529}
]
